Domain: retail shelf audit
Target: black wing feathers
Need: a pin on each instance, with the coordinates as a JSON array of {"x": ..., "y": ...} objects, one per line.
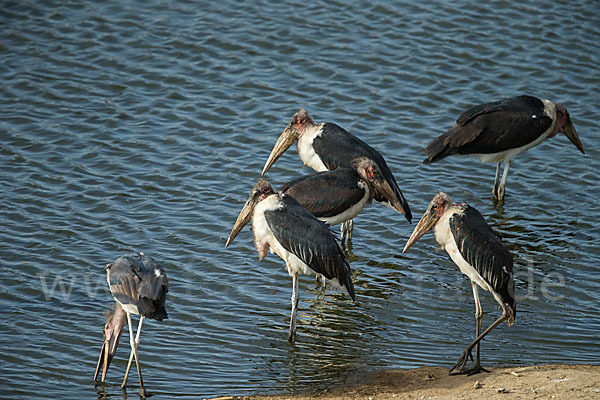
[
  {"x": 309, "y": 239},
  {"x": 483, "y": 249},
  {"x": 327, "y": 193},
  {"x": 134, "y": 280},
  {"x": 337, "y": 148},
  {"x": 527, "y": 104},
  {"x": 492, "y": 128}
]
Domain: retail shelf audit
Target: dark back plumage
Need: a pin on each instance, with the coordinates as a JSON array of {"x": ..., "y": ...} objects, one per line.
[
  {"x": 492, "y": 128},
  {"x": 337, "y": 148},
  {"x": 326, "y": 193},
  {"x": 482, "y": 248},
  {"x": 309, "y": 239},
  {"x": 138, "y": 280}
]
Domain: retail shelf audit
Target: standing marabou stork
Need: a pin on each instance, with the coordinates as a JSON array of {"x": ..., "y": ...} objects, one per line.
[
  {"x": 327, "y": 146},
  {"x": 338, "y": 195},
  {"x": 139, "y": 285},
  {"x": 499, "y": 131},
  {"x": 305, "y": 244},
  {"x": 479, "y": 253}
]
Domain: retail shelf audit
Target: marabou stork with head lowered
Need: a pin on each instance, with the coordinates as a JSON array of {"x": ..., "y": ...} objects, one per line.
[
  {"x": 338, "y": 195},
  {"x": 139, "y": 285},
  {"x": 479, "y": 253},
  {"x": 327, "y": 146},
  {"x": 499, "y": 131},
  {"x": 306, "y": 244}
]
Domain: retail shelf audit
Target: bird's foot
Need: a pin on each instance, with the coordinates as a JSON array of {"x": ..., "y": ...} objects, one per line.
[
  {"x": 347, "y": 249},
  {"x": 498, "y": 199},
  {"x": 143, "y": 393},
  {"x": 498, "y": 192},
  {"x": 477, "y": 368},
  {"x": 292, "y": 333},
  {"x": 292, "y": 338},
  {"x": 459, "y": 367}
]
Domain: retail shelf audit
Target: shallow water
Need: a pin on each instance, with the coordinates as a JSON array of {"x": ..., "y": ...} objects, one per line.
[{"x": 143, "y": 125}]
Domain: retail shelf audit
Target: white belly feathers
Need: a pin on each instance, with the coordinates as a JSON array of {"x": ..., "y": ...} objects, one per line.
[
  {"x": 263, "y": 233},
  {"x": 306, "y": 151}
]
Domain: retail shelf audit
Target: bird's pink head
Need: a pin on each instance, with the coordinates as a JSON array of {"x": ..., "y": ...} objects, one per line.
[
  {"x": 300, "y": 121},
  {"x": 437, "y": 207},
  {"x": 293, "y": 131},
  {"x": 439, "y": 204}
]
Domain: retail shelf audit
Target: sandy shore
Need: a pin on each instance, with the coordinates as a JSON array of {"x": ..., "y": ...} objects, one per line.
[{"x": 535, "y": 382}]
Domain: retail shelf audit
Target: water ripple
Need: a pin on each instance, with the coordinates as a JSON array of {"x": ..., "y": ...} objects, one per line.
[{"x": 129, "y": 126}]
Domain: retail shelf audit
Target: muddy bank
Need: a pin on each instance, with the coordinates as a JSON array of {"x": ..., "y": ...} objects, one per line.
[{"x": 533, "y": 382}]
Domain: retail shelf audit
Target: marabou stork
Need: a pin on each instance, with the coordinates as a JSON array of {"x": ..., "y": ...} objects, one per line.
[
  {"x": 499, "y": 131},
  {"x": 479, "y": 253},
  {"x": 139, "y": 285},
  {"x": 306, "y": 244},
  {"x": 338, "y": 195},
  {"x": 327, "y": 146}
]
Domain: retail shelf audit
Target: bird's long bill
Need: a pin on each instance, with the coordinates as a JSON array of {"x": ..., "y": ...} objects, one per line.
[
  {"x": 383, "y": 187},
  {"x": 287, "y": 138},
  {"x": 112, "y": 334},
  {"x": 103, "y": 361},
  {"x": 427, "y": 221},
  {"x": 571, "y": 133},
  {"x": 242, "y": 219}
]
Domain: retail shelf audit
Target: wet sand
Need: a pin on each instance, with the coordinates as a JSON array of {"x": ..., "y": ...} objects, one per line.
[{"x": 533, "y": 382}]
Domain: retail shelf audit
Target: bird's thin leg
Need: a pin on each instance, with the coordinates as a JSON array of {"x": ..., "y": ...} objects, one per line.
[
  {"x": 134, "y": 342},
  {"x": 350, "y": 229},
  {"x": 465, "y": 355},
  {"x": 478, "y": 318},
  {"x": 137, "y": 360},
  {"x": 503, "y": 182},
  {"x": 346, "y": 230},
  {"x": 322, "y": 280},
  {"x": 495, "y": 189},
  {"x": 131, "y": 344},
  {"x": 347, "y": 247},
  {"x": 295, "y": 300}
]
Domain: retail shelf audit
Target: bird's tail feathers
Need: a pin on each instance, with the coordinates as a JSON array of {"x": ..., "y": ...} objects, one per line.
[
  {"x": 153, "y": 309},
  {"x": 437, "y": 150},
  {"x": 341, "y": 277},
  {"x": 152, "y": 298},
  {"x": 349, "y": 285}
]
